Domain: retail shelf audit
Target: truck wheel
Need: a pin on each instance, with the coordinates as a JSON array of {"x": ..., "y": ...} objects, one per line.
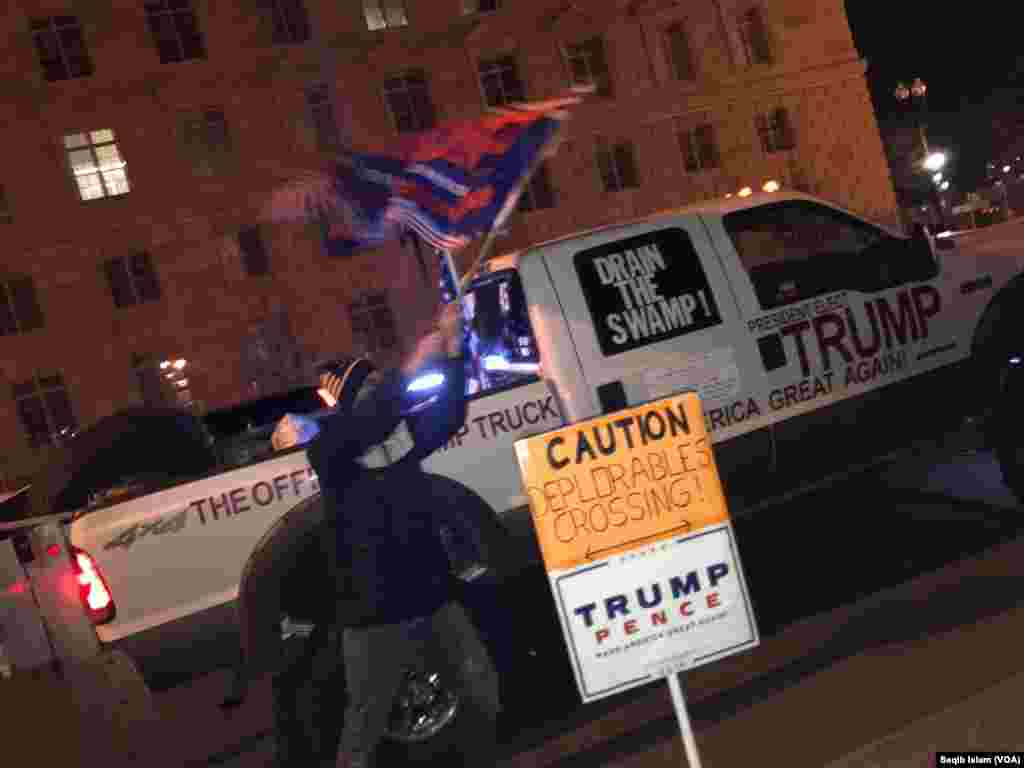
[
  {"x": 1008, "y": 425},
  {"x": 425, "y": 705}
]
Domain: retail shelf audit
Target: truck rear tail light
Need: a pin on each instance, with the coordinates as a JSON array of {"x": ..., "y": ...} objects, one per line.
[{"x": 99, "y": 604}]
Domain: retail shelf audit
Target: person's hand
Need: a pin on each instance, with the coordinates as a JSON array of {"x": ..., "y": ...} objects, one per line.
[
  {"x": 429, "y": 347},
  {"x": 449, "y": 323}
]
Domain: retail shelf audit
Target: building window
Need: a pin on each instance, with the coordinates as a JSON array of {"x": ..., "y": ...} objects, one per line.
[
  {"x": 5, "y": 206},
  {"x": 588, "y": 65},
  {"x": 385, "y": 14},
  {"x": 680, "y": 57},
  {"x": 175, "y": 30},
  {"x": 754, "y": 38},
  {"x": 132, "y": 279},
  {"x": 617, "y": 165},
  {"x": 61, "y": 48},
  {"x": 499, "y": 79},
  {"x": 45, "y": 410},
  {"x": 96, "y": 164},
  {"x": 537, "y": 193},
  {"x": 289, "y": 20},
  {"x": 19, "y": 306},
  {"x": 775, "y": 130},
  {"x": 207, "y": 141},
  {"x": 255, "y": 257},
  {"x": 162, "y": 381},
  {"x": 480, "y": 6},
  {"x": 321, "y": 112},
  {"x": 699, "y": 148},
  {"x": 408, "y": 100},
  {"x": 373, "y": 324}
]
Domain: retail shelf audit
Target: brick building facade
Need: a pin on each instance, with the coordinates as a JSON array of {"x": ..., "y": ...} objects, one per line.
[{"x": 143, "y": 135}]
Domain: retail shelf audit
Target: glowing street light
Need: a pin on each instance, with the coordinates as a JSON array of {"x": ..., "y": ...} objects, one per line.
[
  {"x": 179, "y": 364},
  {"x": 771, "y": 186},
  {"x": 937, "y": 177},
  {"x": 944, "y": 186},
  {"x": 745, "y": 192},
  {"x": 1006, "y": 169},
  {"x": 935, "y": 161}
]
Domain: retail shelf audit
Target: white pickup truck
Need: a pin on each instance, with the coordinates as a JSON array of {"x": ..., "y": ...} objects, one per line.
[{"x": 815, "y": 339}]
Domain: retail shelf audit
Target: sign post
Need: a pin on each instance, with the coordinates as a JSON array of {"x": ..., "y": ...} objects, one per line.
[{"x": 632, "y": 523}]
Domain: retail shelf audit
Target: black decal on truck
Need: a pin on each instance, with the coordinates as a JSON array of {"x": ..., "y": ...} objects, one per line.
[
  {"x": 645, "y": 289},
  {"x": 158, "y": 527}
]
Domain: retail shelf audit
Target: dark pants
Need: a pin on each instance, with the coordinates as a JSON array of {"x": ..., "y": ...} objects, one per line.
[{"x": 376, "y": 658}]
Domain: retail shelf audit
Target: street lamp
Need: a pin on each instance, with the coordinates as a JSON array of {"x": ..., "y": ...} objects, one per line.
[
  {"x": 916, "y": 95},
  {"x": 934, "y": 161}
]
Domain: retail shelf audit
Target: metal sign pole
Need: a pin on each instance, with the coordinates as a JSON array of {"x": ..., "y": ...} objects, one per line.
[{"x": 679, "y": 704}]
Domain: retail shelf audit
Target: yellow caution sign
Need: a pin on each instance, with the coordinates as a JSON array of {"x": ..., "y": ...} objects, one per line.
[{"x": 621, "y": 481}]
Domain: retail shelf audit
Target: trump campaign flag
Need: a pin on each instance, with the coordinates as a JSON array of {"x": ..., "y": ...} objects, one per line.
[{"x": 448, "y": 185}]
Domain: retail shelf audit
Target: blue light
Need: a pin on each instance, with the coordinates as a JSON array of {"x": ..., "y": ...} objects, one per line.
[
  {"x": 495, "y": 363},
  {"x": 426, "y": 381}
]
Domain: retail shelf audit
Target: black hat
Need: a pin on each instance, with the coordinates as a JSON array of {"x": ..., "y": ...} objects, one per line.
[{"x": 344, "y": 377}]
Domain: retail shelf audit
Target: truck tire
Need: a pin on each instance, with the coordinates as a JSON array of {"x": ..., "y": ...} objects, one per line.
[
  {"x": 1007, "y": 430},
  {"x": 143, "y": 445}
]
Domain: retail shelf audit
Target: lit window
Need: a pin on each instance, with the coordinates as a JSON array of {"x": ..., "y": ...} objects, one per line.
[
  {"x": 616, "y": 164},
  {"x": 699, "y": 148},
  {"x": 588, "y": 65},
  {"x": 19, "y": 305},
  {"x": 175, "y": 30},
  {"x": 96, "y": 164},
  {"x": 162, "y": 381},
  {"x": 44, "y": 409},
  {"x": 61, "y": 48},
  {"x": 132, "y": 279},
  {"x": 385, "y": 14},
  {"x": 499, "y": 79},
  {"x": 408, "y": 100},
  {"x": 754, "y": 38},
  {"x": 775, "y": 130}
]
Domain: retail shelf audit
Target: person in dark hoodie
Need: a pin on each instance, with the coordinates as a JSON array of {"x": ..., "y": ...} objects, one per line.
[{"x": 395, "y": 588}]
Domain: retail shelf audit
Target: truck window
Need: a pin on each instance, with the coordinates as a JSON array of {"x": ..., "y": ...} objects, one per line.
[
  {"x": 646, "y": 289},
  {"x": 500, "y": 348},
  {"x": 797, "y": 250}
]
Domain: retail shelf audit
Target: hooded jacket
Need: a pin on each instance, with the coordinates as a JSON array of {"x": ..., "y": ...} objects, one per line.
[{"x": 367, "y": 456}]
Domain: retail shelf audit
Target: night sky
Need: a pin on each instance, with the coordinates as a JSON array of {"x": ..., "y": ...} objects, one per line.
[{"x": 964, "y": 52}]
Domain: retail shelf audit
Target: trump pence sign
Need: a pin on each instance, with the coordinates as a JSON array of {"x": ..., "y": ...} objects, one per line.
[{"x": 633, "y": 526}]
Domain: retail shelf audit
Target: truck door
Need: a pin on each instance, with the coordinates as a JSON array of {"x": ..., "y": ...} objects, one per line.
[
  {"x": 840, "y": 310},
  {"x": 651, "y": 314}
]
